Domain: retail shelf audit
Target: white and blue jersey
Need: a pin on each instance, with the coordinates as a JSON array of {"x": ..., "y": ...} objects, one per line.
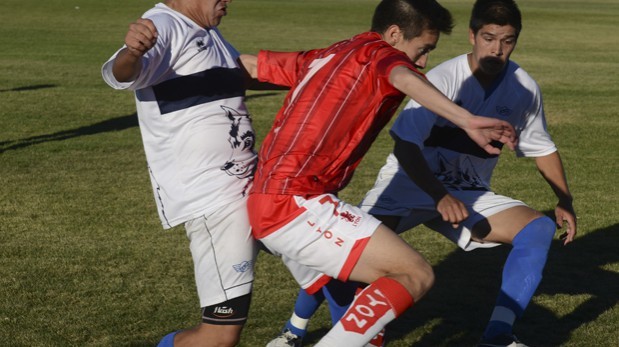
[
  {"x": 453, "y": 157},
  {"x": 197, "y": 132},
  {"x": 463, "y": 167}
]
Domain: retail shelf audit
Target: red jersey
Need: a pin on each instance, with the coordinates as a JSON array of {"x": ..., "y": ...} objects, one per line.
[{"x": 339, "y": 101}]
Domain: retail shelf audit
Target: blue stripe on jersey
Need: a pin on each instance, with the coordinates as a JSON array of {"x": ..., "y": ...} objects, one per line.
[
  {"x": 457, "y": 140},
  {"x": 199, "y": 88}
]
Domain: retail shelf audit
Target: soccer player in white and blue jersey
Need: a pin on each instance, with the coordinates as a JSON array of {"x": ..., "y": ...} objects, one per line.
[
  {"x": 199, "y": 143},
  {"x": 437, "y": 177}
]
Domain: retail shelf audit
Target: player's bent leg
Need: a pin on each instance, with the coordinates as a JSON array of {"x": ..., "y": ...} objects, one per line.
[
  {"x": 522, "y": 273},
  {"x": 386, "y": 254},
  {"x": 397, "y": 276},
  {"x": 221, "y": 325},
  {"x": 503, "y": 226}
]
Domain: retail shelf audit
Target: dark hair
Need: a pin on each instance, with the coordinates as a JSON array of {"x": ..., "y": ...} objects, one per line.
[
  {"x": 500, "y": 12},
  {"x": 412, "y": 17}
]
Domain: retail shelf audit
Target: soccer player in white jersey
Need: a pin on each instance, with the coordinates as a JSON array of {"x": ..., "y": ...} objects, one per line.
[
  {"x": 436, "y": 175},
  {"x": 199, "y": 144}
]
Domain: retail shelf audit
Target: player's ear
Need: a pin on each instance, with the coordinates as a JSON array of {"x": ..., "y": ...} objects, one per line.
[
  {"x": 471, "y": 36},
  {"x": 392, "y": 35}
]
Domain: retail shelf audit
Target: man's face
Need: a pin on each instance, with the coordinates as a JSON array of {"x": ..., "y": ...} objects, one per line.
[
  {"x": 492, "y": 46},
  {"x": 213, "y": 11},
  {"x": 418, "y": 48}
]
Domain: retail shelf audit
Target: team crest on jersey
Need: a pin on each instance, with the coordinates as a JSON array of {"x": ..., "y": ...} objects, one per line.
[
  {"x": 349, "y": 217},
  {"x": 202, "y": 43},
  {"x": 503, "y": 111},
  {"x": 459, "y": 177},
  {"x": 241, "y": 139}
]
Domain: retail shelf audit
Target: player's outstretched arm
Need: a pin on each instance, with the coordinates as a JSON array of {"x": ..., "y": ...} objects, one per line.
[
  {"x": 482, "y": 130},
  {"x": 551, "y": 168},
  {"x": 140, "y": 38},
  {"x": 249, "y": 63}
]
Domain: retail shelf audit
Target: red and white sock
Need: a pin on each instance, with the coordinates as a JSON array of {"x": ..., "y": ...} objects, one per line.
[{"x": 377, "y": 305}]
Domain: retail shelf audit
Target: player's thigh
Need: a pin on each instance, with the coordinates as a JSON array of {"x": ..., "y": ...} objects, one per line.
[
  {"x": 328, "y": 236},
  {"x": 505, "y": 225},
  {"x": 493, "y": 218},
  {"x": 223, "y": 252},
  {"x": 386, "y": 254}
]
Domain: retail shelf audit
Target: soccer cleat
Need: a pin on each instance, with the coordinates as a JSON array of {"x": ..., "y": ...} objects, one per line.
[
  {"x": 502, "y": 340},
  {"x": 286, "y": 339}
]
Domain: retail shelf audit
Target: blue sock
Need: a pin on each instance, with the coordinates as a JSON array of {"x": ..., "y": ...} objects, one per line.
[
  {"x": 339, "y": 296},
  {"x": 305, "y": 306},
  {"x": 168, "y": 340},
  {"x": 522, "y": 273}
]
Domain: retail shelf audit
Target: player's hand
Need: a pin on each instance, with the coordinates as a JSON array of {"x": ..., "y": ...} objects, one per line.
[
  {"x": 452, "y": 210},
  {"x": 565, "y": 215},
  {"x": 141, "y": 37},
  {"x": 484, "y": 130}
]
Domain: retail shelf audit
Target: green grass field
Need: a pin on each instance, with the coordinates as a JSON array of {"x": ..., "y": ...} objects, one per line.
[{"x": 84, "y": 261}]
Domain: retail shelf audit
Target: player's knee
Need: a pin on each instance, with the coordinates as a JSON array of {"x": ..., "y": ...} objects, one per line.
[
  {"x": 426, "y": 276},
  {"x": 537, "y": 234},
  {"x": 548, "y": 229},
  {"x": 419, "y": 279}
]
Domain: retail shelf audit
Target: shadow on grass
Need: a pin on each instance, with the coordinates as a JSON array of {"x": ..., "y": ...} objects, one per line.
[
  {"x": 462, "y": 298},
  {"x": 456, "y": 310},
  {"x": 26, "y": 88},
  {"x": 113, "y": 124}
]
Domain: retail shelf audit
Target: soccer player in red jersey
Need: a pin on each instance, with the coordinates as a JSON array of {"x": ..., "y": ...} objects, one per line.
[{"x": 340, "y": 99}]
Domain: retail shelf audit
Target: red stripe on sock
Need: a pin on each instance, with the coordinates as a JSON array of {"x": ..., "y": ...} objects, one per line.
[{"x": 398, "y": 296}]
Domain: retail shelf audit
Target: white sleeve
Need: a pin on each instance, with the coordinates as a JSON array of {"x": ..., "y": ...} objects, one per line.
[
  {"x": 152, "y": 60},
  {"x": 108, "y": 75},
  {"x": 414, "y": 124},
  {"x": 534, "y": 139}
]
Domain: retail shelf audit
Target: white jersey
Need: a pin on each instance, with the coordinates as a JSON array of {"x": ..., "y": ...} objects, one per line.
[
  {"x": 454, "y": 158},
  {"x": 197, "y": 132}
]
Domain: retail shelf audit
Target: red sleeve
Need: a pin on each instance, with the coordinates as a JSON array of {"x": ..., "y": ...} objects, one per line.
[
  {"x": 278, "y": 67},
  {"x": 389, "y": 60}
]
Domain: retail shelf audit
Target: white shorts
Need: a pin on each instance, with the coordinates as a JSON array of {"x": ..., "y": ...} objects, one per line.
[
  {"x": 395, "y": 194},
  {"x": 223, "y": 252},
  {"x": 319, "y": 235}
]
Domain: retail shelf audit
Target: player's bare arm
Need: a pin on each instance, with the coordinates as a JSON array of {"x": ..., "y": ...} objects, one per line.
[
  {"x": 250, "y": 63},
  {"x": 140, "y": 38},
  {"x": 551, "y": 168},
  {"x": 482, "y": 130},
  {"x": 414, "y": 164}
]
